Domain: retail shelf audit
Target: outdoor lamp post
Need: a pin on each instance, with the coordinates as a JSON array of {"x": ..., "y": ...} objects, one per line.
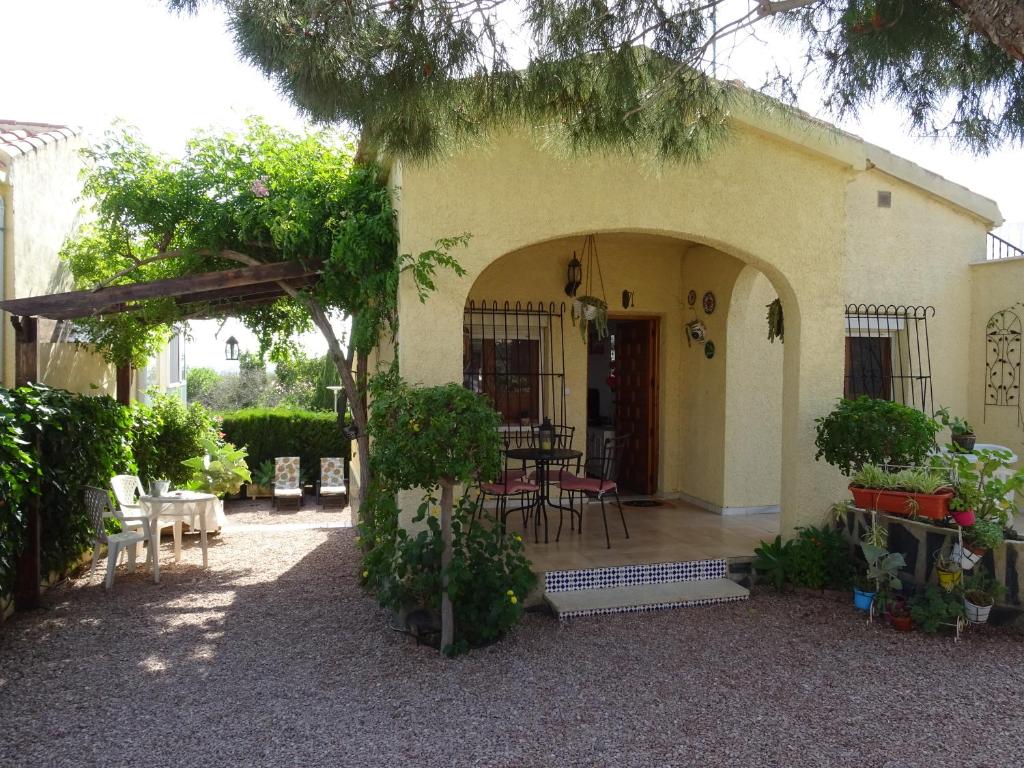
[
  {"x": 231, "y": 348},
  {"x": 574, "y": 276},
  {"x": 335, "y": 388}
]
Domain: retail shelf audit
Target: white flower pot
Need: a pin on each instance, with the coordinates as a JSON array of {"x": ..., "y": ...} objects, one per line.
[
  {"x": 967, "y": 558},
  {"x": 161, "y": 487},
  {"x": 589, "y": 311},
  {"x": 976, "y": 614}
]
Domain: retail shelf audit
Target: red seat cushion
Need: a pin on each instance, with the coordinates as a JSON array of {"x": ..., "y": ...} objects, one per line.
[
  {"x": 509, "y": 488},
  {"x": 587, "y": 484},
  {"x": 562, "y": 474}
]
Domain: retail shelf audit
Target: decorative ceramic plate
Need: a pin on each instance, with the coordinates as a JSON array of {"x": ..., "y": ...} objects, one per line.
[
  {"x": 691, "y": 298},
  {"x": 709, "y": 303},
  {"x": 709, "y": 349}
]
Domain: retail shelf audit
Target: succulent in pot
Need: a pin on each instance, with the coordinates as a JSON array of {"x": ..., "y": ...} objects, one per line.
[{"x": 960, "y": 431}]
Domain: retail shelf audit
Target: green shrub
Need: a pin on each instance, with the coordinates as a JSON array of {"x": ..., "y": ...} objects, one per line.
[
  {"x": 869, "y": 431},
  {"x": 19, "y": 476},
  {"x": 934, "y": 608},
  {"x": 816, "y": 558},
  {"x": 488, "y": 578},
  {"x": 167, "y": 433},
  {"x": 271, "y": 432}
]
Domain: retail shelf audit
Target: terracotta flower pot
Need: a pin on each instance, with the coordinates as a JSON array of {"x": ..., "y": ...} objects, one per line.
[
  {"x": 934, "y": 506},
  {"x": 901, "y": 623}
]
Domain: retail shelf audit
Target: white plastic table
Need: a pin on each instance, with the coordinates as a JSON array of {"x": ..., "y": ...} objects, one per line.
[{"x": 179, "y": 505}]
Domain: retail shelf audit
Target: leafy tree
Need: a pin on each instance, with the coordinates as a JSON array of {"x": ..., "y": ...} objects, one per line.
[
  {"x": 200, "y": 382},
  {"x": 303, "y": 381},
  {"x": 411, "y": 76},
  {"x": 262, "y": 196}
]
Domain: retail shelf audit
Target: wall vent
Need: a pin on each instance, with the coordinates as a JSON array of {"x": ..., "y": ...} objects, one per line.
[{"x": 884, "y": 198}]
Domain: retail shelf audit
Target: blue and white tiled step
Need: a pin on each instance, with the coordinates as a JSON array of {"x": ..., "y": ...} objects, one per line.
[{"x": 638, "y": 588}]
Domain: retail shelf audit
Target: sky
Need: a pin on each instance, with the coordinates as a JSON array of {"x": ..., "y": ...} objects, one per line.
[{"x": 87, "y": 64}]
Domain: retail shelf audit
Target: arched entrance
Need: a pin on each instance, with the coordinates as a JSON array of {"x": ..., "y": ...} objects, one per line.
[{"x": 713, "y": 409}]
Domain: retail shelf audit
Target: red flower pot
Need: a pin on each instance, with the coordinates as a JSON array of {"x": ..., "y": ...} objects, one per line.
[
  {"x": 963, "y": 517},
  {"x": 901, "y": 623},
  {"x": 934, "y": 506}
]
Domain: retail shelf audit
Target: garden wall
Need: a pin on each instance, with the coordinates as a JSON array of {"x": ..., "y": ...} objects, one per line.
[{"x": 918, "y": 542}]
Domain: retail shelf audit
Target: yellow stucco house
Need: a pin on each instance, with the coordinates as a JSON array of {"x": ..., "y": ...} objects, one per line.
[
  {"x": 883, "y": 269},
  {"x": 39, "y": 208}
]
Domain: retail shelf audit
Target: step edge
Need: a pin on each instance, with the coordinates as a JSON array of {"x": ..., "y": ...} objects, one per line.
[
  {"x": 649, "y": 607},
  {"x": 569, "y": 580}
]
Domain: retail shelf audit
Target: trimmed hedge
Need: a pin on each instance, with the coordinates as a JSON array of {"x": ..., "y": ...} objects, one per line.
[{"x": 272, "y": 432}]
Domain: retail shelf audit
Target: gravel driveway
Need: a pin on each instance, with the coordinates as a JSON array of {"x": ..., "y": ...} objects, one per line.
[{"x": 275, "y": 657}]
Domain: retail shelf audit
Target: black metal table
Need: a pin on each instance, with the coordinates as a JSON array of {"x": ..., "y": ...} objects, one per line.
[{"x": 543, "y": 459}]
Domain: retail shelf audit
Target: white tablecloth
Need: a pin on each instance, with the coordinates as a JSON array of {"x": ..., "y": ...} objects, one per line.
[{"x": 181, "y": 506}]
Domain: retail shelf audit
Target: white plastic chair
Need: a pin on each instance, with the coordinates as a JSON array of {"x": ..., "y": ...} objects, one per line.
[
  {"x": 127, "y": 490},
  {"x": 97, "y": 501}
]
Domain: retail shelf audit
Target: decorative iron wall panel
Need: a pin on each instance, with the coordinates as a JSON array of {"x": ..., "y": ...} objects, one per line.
[{"x": 1002, "y": 362}]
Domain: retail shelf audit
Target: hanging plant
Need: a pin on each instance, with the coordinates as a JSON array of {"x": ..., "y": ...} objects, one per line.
[
  {"x": 589, "y": 308},
  {"x": 776, "y": 326}
]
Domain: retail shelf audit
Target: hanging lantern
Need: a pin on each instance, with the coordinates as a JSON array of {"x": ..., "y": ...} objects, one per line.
[
  {"x": 574, "y": 276},
  {"x": 231, "y": 348}
]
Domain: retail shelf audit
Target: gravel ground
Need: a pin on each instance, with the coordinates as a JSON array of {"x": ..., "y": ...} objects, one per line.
[{"x": 275, "y": 657}]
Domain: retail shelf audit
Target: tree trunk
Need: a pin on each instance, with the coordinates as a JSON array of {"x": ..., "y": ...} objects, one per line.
[
  {"x": 447, "y": 613},
  {"x": 1001, "y": 21}
]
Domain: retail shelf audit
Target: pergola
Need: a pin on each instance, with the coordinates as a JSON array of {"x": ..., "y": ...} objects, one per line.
[{"x": 205, "y": 295}]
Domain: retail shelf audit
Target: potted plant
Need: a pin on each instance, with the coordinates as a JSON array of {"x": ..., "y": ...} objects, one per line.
[
  {"x": 220, "y": 471},
  {"x": 935, "y": 608},
  {"x": 948, "y": 569},
  {"x": 980, "y": 593},
  {"x": 923, "y": 492},
  {"x": 898, "y": 612},
  {"x": 587, "y": 310},
  {"x": 880, "y": 574},
  {"x": 978, "y": 539},
  {"x": 960, "y": 432},
  {"x": 262, "y": 481}
]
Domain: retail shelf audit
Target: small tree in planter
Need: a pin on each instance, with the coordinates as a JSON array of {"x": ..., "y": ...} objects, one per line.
[
  {"x": 433, "y": 438},
  {"x": 869, "y": 431}
]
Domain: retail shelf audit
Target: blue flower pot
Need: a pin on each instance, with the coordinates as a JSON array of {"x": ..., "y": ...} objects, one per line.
[{"x": 862, "y": 600}]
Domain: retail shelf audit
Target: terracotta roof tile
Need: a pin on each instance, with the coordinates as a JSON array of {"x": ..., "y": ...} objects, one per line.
[{"x": 19, "y": 138}]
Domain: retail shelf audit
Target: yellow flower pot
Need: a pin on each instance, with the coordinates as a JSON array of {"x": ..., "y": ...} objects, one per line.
[{"x": 948, "y": 579}]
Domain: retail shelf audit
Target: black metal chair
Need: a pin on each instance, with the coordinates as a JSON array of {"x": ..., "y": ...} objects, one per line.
[
  {"x": 512, "y": 482},
  {"x": 599, "y": 482}
]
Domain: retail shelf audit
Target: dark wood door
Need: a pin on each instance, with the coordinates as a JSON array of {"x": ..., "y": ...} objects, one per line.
[{"x": 636, "y": 403}]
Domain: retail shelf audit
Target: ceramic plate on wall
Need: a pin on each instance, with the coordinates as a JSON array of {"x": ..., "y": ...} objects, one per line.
[{"x": 709, "y": 303}]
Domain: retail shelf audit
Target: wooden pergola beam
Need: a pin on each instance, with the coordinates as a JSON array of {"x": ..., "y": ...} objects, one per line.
[{"x": 118, "y": 298}]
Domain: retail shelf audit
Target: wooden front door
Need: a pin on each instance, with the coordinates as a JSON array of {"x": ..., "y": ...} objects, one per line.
[{"x": 636, "y": 403}]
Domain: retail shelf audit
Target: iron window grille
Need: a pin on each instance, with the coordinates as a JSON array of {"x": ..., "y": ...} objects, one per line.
[
  {"x": 888, "y": 354},
  {"x": 514, "y": 354}
]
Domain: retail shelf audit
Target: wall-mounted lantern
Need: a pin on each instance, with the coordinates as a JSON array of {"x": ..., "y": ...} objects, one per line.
[
  {"x": 574, "y": 276},
  {"x": 231, "y": 348}
]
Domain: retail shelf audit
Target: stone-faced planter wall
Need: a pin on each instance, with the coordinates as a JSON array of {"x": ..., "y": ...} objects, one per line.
[{"x": 919, "y": 541}]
